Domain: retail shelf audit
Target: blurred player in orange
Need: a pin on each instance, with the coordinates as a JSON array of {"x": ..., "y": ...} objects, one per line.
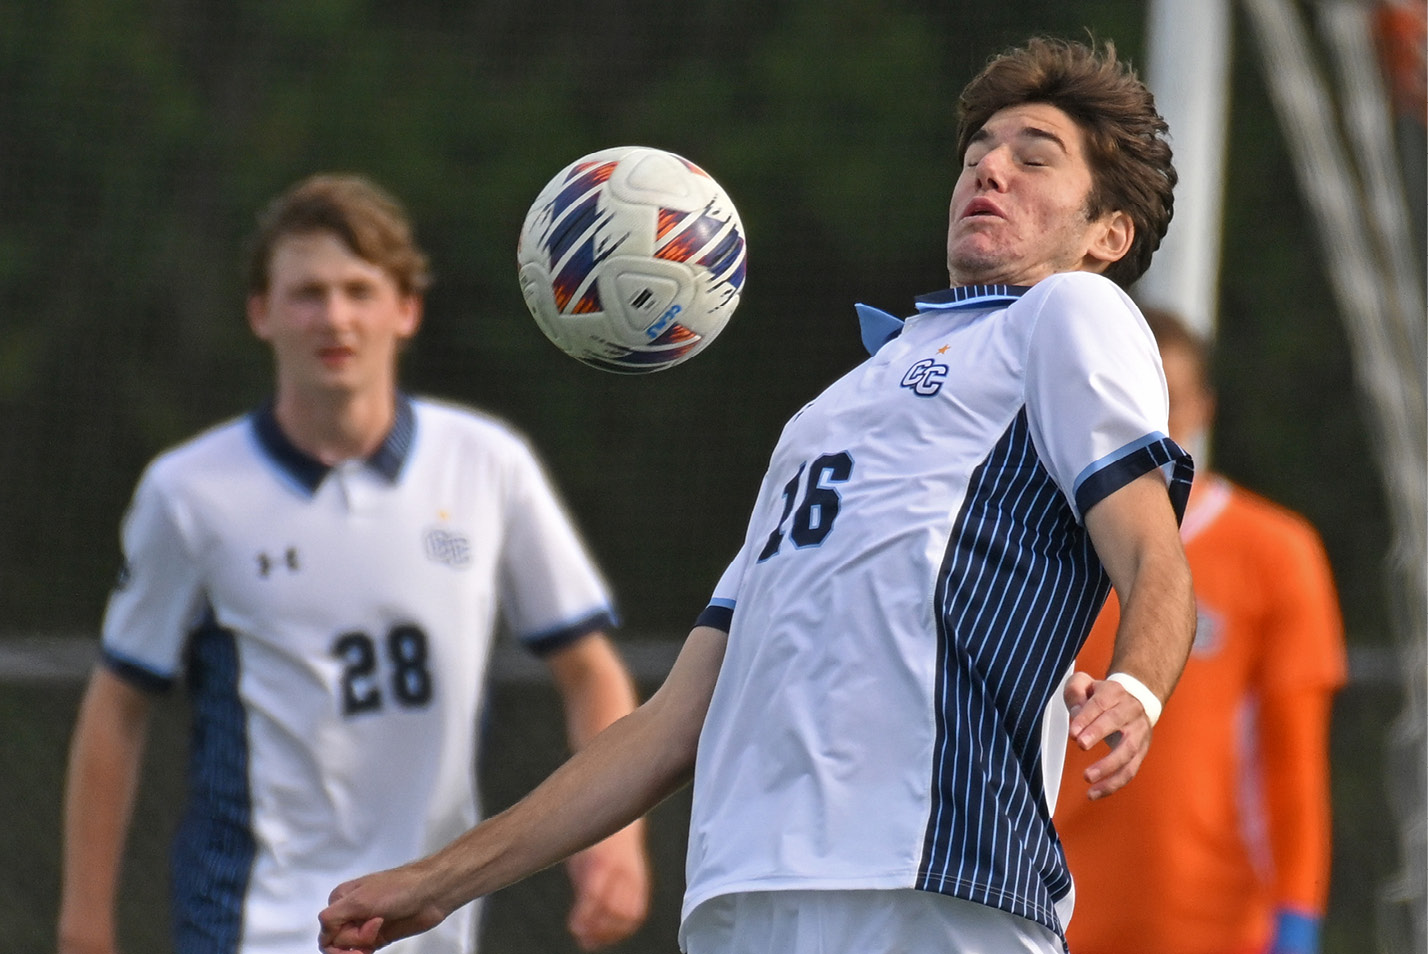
[{"x": 1222, "y": 845}]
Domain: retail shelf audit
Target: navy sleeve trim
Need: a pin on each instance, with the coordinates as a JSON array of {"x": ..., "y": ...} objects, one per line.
[
  {"x": 135, "y": 674},
  {"x": 717, "y": 616},
  {"x": 1156, "y": 454},
  {"x": 548, "y": 642}
]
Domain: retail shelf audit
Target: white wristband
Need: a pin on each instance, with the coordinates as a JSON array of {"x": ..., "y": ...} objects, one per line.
[{"x": 1147, "y": 699}]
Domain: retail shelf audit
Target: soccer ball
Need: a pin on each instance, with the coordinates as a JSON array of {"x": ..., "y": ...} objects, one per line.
[{"x": 632, "y": 259}]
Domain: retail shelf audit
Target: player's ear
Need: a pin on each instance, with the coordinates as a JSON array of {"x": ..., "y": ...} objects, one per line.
[
  {"x": 1111, "y": 238},
  {"x": 412, "y": 308},
  {"x": 258, "y": 315}
]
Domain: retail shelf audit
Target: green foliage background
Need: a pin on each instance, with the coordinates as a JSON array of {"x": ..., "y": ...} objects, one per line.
[{"x": 140, "y": 136}]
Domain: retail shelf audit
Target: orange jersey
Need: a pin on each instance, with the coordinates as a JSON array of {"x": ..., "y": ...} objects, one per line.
[{"x": 1228, "y": 818}]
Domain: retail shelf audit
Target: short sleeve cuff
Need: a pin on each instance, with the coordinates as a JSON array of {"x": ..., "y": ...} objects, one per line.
[
  {"x": 543, "y": 644},
  {"x": 719, "y": 614},
  {"x": 136, "y": 673},
  {"x": 1111, "y": 473}
]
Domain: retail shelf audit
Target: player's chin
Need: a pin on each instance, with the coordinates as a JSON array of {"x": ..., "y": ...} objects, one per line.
[{"x": 971, "y": 260}]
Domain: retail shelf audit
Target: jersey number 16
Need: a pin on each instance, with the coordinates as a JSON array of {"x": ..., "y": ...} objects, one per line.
[{"x": 813, "y": 520}]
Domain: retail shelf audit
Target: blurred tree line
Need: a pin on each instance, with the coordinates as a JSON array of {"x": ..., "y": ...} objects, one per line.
[{"x": 139, "y": 137}]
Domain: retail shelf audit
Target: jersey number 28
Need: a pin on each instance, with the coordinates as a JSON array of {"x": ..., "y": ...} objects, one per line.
[{"x": 406, "y": 651}]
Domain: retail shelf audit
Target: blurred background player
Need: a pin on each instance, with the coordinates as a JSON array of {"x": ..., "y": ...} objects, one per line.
[
  {"x": 1222, "y": 845},
  {"x": 325, "y": 574}
]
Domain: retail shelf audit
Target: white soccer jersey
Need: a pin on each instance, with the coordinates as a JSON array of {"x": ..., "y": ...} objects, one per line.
[
  {"x": 912, "y": 590},
  {"x": 334, "y": 628}
]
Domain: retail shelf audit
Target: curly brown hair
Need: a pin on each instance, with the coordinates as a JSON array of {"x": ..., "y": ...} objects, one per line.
[
  {"x": 367, "y": 219},
  {"x": 1126, "y": 143}
]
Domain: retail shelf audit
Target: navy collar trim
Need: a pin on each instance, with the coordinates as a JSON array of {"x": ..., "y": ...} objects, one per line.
[
  {"x": 970, "y": 296},
  {"x": 309, "y": 472},
  {"x": 879, "y": 327}
]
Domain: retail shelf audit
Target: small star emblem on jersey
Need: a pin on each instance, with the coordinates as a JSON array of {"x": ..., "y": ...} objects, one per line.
[
  {"x": 943, "y": 349},
  {"x": 268, "y": 563}
]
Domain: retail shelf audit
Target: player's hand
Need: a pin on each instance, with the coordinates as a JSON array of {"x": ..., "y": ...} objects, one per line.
[
  {"x": 1295, "y": 932},
  {"x": 612, "y": 889},
  {"x": 1103, "y": 711},
  {"x": 371, "y": 912}
]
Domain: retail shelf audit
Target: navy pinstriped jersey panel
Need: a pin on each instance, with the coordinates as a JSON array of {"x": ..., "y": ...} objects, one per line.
[
  {"x": 213, "y": 850},
  {"x": 1018, "y": 590}
]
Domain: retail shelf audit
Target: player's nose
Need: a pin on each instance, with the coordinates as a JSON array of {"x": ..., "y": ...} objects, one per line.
[
  {"x": 993, "y": 170},
  {"x": 335, "y": 311}
]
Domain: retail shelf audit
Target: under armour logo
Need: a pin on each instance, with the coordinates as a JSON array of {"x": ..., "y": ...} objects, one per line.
[{"x": 266, "y": 563}]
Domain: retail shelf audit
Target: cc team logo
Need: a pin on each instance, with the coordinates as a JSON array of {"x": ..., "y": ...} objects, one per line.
[
  {"x": 925, "y": 377},
  {"x": 449, "y": 547}
]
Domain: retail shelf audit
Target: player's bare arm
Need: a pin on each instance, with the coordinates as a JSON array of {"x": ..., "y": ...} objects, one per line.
[
  {"x": 618, "y": 777},
  {"x": 611, "y": 879},
  {"x": 1137, "y": 538},
  {"x": 103, "y": 776}
]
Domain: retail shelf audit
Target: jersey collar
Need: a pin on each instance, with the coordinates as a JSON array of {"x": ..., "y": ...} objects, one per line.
[
  {"x": 879, "y": 327},
  {"x": 308, "y": 471}
]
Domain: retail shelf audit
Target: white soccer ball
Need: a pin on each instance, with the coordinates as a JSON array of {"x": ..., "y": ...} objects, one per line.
[{"x": 632, "y": 259}]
